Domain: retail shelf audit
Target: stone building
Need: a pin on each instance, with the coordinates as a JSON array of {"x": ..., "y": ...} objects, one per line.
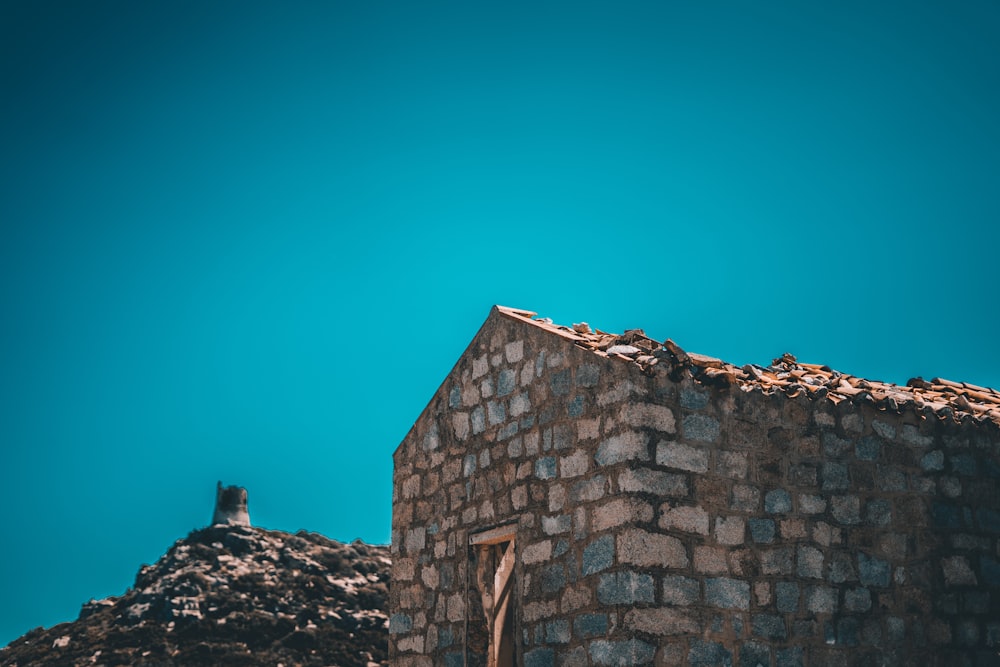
[{"x": 570, "y": 497}]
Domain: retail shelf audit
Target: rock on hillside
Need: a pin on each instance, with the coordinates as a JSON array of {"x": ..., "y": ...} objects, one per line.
[{"x": 232, "y": 595}]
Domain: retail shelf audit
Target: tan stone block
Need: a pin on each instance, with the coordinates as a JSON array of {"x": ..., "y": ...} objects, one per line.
[
  {"x": 639, "y": 547},
  {"x": 762, "y": 591},
  {"x": 411, "y": 597},
  {"x": 588, "y": 429},
  {"x": 470, "y": 394},
  {"x": 575, "y": 597},
  {"x": 456, "y": 607},
  {"x": 621, "y": 390},
  {"x": 460, "y": 423},
  {"x": 534, "y": 611},
  {"x": 648, "y": 415},
  {"x": 660, "y": 621},
  {"x": 537, "y": 552},
  {"x": 684, "y": 518},
  {"x": 619, "y": 511},
  {"x": 403, "y": 569},
  {"x": 730, "y": 530},
  {"x": 792, "y": 528},
  {"x": 710, "y": 560},
  {"x": 413, "y": 643},
  {"x": 575, "y": 464},
  {"x": 557, "y": 497},
  {"x": 429, "y": 575},
  {"x": 514, "y": 351}
]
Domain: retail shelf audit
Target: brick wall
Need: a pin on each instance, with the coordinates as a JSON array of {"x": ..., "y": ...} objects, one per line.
[{"x": 662, "y": 521}]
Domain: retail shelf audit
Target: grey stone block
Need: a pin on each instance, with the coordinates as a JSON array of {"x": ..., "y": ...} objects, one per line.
[
  {"x": 755, "y": 653},
  {"x": 400, "y": 624},
  {"x": 598, "y": 555},
  {"x": 539, "y": 657},
  {"x": 821, "y": 599},
  {"x": 497, "y": 412},
  {"x": 553, "y": 578},
  {"x": 895, "y": 629},
  {"x": 810, "y": 562},
  {"x": 545, "y": 467},
  {"x": 868, "y": 448},
  {"x": 834, "y": 477},
  {"x": 878, "y": 512},
  {"x": 630, "y": 445},
  {"x": 625, "y": 588},
  {"x": 789, "y": 657},
  {"x": 560, "y": 383},
  {"x": 932, "y": 461},
  {"x": 506, "y": 382},
  {"x": 787, "y": 596},
  {"x": 701, "y": 427},
  {"x": 590, "y": 625},
  {"x": 680, "y": 590},
  {"x": 693, "y": 399},
  {"x": 778, "y": 501},
  {"x": 644, "y": 480},
  {"x": 709, "y": 654},
  {"x": 768, "y": 626},
  {"x": 557, "y": 632},
  {"x": 727, "y": 593},
  {"x": 682, "y": 457},
  {"x": 625, "y": 652},
  {"x": 857, "y": 600},
  {"x": 841, "y": 568},
  {"x": 846, "y": 509},
  {"x": 872, "y": 571},
  {"x": 762, "y": 530}
]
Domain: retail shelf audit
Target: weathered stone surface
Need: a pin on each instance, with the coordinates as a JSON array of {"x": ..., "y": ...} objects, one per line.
[
  {"x": 640, "y": 547},
  {"x": 701, "y": 427},
  {"x": 620, "y": 511},
  {"x": 872, "y": 571},
  {"x": 622, "y": 447},
  {"x": 681, "y": 457},
  {"x": 660, "y": 621},
  {"x": 658, "y": 482},
  {"x": 598, "y": 555},
  {"x": 778, "y": 501},
  {"x": 957, "y": 571},
  {"x": 626, "y": 587},
  {"x": 710, "y": 560},
  {"x": 727, "y": 593},
  {"x": 730, "y": 530},
  {"x": 648, "y": 415},
  {"x": 684, "y": 518},
  {"x": 709, "y": 654},
  {"x": 762, "y": 531},
  {"x": 624, "y": 652},
  {"x": 787, "y": 596},
  {"x": 680, "y": 590}
]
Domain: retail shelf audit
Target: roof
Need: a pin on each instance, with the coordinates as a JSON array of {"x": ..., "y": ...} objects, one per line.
[{"x": 943, "y": 399}]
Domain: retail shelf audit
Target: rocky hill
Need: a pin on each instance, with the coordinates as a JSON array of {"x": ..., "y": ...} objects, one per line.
[{"x": 232, "y": 595}]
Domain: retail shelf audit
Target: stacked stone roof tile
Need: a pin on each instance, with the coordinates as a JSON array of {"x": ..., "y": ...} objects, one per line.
[{"x": 937, "y": 398}]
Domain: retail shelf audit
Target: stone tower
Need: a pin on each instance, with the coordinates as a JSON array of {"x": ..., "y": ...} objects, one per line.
[{"x": 231, "y": 506}]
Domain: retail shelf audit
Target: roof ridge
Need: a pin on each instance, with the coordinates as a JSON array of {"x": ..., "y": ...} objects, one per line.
[{"x": 945, "y": 399}]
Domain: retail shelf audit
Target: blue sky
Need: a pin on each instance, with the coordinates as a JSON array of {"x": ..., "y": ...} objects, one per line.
[{"x": 246, "y": 241}]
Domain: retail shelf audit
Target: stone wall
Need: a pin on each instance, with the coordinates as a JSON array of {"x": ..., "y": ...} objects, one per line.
[{"x": 663, "y": 521}]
